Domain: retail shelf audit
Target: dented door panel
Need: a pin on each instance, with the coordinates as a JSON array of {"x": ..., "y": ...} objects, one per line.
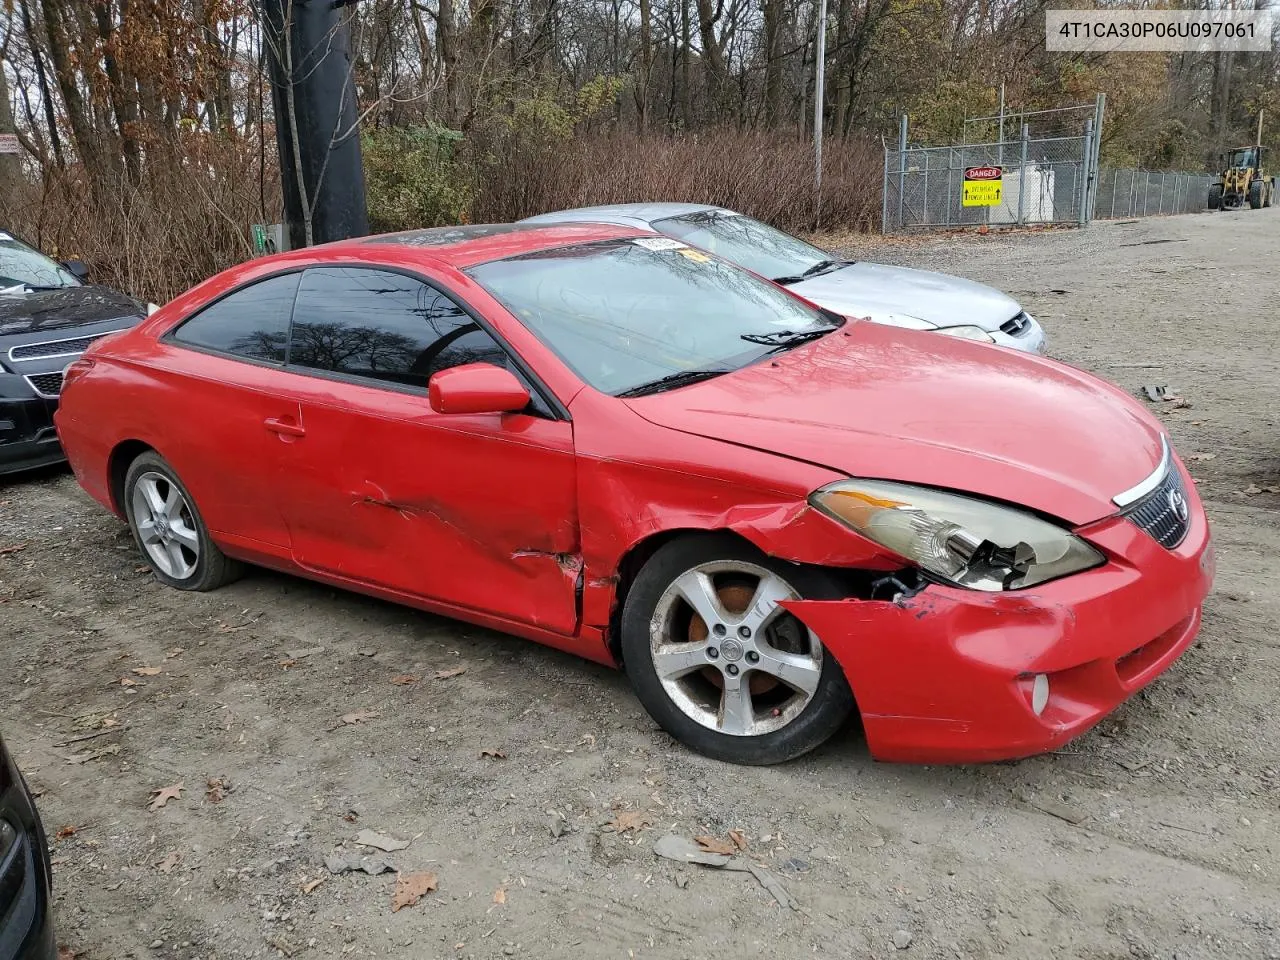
[{"x": 476, "y": 511}]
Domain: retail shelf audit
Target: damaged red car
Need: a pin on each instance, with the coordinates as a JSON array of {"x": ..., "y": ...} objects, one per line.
[{"x": 770, "y": 516}]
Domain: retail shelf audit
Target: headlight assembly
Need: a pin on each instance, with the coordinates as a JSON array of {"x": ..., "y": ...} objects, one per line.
[
  {"x": 967, "y": 333},
  {"x": 968, "y": 542}
]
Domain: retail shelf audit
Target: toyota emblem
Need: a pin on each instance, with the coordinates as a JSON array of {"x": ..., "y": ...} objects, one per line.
[{"x": 1178, "y": 504}]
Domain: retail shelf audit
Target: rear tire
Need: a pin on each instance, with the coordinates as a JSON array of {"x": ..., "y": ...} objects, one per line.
[
  {"x": 1215, "y": 196},
  {"x": 769, "y": 692},
  {"x": 1255, "y": 194},
  {"x": 1269, "y": 194},
  {"x": 169, "y": 530}
]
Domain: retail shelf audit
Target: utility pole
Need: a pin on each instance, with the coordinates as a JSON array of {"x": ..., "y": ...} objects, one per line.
[
  {"x": 819, "y": 83},
  {"x": 308, "y": 47}
]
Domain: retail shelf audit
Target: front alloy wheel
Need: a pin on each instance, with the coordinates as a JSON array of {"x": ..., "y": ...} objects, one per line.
[{"x": 719, "y": 664}]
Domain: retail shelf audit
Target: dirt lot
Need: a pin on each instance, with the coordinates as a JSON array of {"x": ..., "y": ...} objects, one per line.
[{"x": 1156, "y": 836}]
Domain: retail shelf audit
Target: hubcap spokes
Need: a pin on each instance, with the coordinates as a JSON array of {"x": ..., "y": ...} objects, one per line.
[
  {"x": 714, "y": 639},
  {"x": 166, "y": 526}
]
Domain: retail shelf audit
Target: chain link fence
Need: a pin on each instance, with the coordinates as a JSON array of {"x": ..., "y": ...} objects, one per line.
[
  {"x": 1044, "y": 180},
  {"x": 1127, "y": 193}
]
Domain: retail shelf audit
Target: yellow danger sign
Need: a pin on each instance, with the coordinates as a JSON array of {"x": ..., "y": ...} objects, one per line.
[{"x": 982, "y": 186}]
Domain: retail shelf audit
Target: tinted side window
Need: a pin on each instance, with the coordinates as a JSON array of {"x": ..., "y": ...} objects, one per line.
[
  {"x": 382, "y": 325},
  {"x": 252, "y": 322}
]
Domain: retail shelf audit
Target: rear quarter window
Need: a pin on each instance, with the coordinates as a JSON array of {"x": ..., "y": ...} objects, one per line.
[{"x": 252, "y": 322}]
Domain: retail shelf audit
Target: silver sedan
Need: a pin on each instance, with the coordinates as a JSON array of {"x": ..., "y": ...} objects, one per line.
[{"x": 897, "y": 296}]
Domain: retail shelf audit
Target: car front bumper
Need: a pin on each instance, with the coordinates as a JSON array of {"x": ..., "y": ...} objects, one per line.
[
  {"x": 946, "y": 676},
  {"x": 27, "y": 435},
  {"x": 26, "y": 915}
]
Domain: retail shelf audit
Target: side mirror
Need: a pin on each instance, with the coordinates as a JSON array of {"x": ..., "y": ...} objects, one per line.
[
  {"x": 477, "y": 388},
  {"x": 77, "y": 268}
]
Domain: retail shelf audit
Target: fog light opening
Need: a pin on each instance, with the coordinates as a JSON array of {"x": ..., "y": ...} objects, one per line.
[{"x": 1039, "y": 693}]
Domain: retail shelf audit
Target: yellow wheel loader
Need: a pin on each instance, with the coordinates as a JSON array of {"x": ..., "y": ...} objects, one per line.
[{"x": 1244, "y": 179}]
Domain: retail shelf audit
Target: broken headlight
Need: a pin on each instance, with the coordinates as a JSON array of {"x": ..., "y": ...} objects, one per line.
[{"x": 968, "y": 542}]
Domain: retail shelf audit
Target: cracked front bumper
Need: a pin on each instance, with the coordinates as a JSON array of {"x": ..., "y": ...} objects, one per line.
[{"x": 946, "y": 676}]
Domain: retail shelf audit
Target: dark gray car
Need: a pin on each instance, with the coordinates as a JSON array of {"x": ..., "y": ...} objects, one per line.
[{"x": 898, "y": 296}]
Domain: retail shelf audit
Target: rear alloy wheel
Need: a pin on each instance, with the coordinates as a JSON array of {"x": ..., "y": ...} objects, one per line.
[
  {"x": 719, "y": 664},
  {"x": 168, "y": 529}
]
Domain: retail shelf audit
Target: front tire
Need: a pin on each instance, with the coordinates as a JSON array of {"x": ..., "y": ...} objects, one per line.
[
  {"x": 719, "y": 665},
  {"x": 169, "y": 531},
  {"x": 1215, "y": 196},
  {"x": 1255, "y": 194}
]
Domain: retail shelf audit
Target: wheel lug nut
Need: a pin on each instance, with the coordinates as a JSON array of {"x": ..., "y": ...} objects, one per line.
[
  {"x": 753, "y": 657},
  {"x": 718, "y": 629},
  {"x": 744, "y": 632},
  {"x": 731, "y": 669},
  {"x": 712, "y": 652}
]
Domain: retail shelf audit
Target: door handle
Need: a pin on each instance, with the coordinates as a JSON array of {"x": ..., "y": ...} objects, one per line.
[{"x": 285, "y": 426}]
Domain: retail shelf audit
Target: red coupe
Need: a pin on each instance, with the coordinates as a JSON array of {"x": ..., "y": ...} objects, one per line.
[{"x": 771, "y": 516}]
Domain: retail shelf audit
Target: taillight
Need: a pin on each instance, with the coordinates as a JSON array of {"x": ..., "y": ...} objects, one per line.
[{"x": 75, "y": 370}]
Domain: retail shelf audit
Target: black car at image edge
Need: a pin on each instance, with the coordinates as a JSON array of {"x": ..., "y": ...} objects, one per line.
[
  {"x": 26, "y": 922},
  {"x": 48, "y": 316}
]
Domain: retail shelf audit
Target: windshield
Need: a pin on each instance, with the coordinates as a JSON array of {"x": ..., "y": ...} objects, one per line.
[
  {"x": 20, "y": 266},
  {"x": 750, "y": 243},
  {"x": 1240, "y": 158},
  {"x": 625, "y": 314}
]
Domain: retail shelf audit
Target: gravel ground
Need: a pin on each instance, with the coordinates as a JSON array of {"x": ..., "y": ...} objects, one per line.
[{"x": 1158, "y": 835}]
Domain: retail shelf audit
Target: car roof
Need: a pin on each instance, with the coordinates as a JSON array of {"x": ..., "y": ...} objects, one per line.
[
  {"x": 470, "y": 244},
  {"x": 630, "y": 214}
]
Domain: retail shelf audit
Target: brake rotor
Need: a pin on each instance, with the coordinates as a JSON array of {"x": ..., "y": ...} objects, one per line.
[{"x": 735, "y": 598}]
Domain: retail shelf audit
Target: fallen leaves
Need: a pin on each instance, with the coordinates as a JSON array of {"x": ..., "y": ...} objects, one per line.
[
  {"x": 162, "y": 796},
  {"x": 367, "y": 838},
  {"x": 70, "y": 830},
  {"x": 16, "y": 548},
  {"x": 629, "y": 821},
  {"x": 449, "y": 673},
  {"x": 169, "y": 862},
  {"x": 405, "y": 679},
  {"x": 739, "y": 839},
  {"x": 216, "y": 789},
  {"x": 145, "y": 671},
  {"x": 493, "y": 754},
  {"x": 1253, "y": 489},
  {"x": 500, "y": 895},
  {"x": 358, "y": 716},
  {"x": 87, "y": 756},
  {"x": 128, "y": 682},
  {"x": 716, "y": 845},
  {"x": 410, "y": 888}
]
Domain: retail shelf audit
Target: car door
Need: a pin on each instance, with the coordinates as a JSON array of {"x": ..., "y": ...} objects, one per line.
[
  {"x": 219, "y": 375},
  {"x": 478, "y": 511}
]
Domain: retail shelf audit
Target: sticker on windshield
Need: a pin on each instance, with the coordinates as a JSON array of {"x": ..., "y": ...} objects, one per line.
[
  {"x": 659, "y": 243},
  {"x": 697, "y": 256}
]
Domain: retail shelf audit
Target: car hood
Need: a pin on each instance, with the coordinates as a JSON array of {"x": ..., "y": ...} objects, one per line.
[
  {"x": 901, "y": 296},
  {"x": 871, "y": 401},
  {"x": 66, "y": 307}
]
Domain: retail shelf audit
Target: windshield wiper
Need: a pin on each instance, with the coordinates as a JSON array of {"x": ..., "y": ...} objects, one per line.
[
  {"x": 822, "y": 266},
  {"x": 671, "y": 381},
  {"x": 785, "y": 339}
]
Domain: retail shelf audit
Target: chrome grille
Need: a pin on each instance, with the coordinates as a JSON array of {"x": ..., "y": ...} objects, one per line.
[
  {"x": 52, "y": 348},
  {"x": 47, "y": 385},
  {"x": 1164, "y": 513},
  {"x": 1016, "y": 326}
]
